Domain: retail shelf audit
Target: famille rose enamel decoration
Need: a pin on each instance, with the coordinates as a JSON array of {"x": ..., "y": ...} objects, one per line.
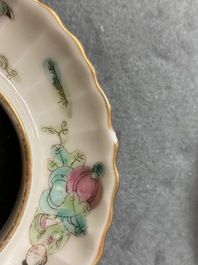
[{"x": 50, "y": 90}]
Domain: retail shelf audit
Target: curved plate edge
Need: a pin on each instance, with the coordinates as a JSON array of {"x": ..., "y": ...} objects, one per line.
[{"x": 109, "y": 110}]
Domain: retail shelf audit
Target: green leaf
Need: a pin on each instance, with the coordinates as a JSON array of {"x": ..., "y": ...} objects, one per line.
[
  {"x": 53, "y": 72},
  {"x": 53, "y": 164},
  {"x": 54, "y": 75},
  {"x": 72, "y": 206},
  {"x": 98, "y": 169},
  {"x": 76, "y": 159},
  {"x": 63, "y": 158},
  {"x": 81, "y": 225},
  {"x": 76, "y": 225},
  {"x": 60, "y": 154}
]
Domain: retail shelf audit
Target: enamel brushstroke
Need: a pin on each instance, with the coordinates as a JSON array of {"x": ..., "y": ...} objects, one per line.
[
  {"x": 74, "y": 189},
  {"x": 5, "y": 10},
  {"x": 11, "y": 74},
  {"x": 55, "y": 77}
]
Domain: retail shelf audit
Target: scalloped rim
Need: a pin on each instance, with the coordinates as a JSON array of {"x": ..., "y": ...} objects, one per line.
[
  {"x": 109, "y": 109},
  {"x": 27, "y": 147}
]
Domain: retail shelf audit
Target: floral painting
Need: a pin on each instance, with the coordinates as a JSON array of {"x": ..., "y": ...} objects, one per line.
[{"x": 74, "y": 190}]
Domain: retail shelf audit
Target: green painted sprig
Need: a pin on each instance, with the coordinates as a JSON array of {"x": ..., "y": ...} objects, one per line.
[{"x": 57, "y": 84}]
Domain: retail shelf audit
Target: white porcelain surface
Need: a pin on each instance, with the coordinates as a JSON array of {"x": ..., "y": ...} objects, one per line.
[{"x": 32, "y": 37}]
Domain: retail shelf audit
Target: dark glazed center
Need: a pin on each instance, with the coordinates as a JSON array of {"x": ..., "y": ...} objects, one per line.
[{"x": 10, "y": 166}]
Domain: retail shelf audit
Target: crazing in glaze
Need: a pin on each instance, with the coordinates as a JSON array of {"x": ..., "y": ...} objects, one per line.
[
  {"x": 5, "y": 10},
  {"x": 10, "y": 73},
  {"x": 74, "y": 189}
]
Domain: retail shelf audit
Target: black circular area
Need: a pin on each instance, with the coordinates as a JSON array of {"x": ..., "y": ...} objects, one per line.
[{"x": 10, "y": 166}]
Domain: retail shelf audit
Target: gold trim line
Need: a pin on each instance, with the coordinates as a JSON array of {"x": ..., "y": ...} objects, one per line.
[
  {"x": 109, "y": 109},
  {"x": 27, "y": 172}
]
